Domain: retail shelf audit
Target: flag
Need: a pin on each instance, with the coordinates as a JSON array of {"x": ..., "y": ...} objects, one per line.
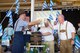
[
  {"x": 9, "y": 14},
  {"x": 10, "y": 20},
  {"x": 1, "y": 31},
  {"x": 24, "y": 0},
  {"x": 5, "y": 39},
  {"x": 17, "y": 6},
  {"x": 16, "y": 1},
  {"x": 50, "y": 17},
  {"x": 77, "y": 44},
  {"x": 51, "y": 5},
  {"x": 58, "y": 41},
  {"x": 56, "y": 19},
  {"x": 45, "y": 5},
  {"x": 57, "y": 14},
  {"x": 4, "y": 36}
]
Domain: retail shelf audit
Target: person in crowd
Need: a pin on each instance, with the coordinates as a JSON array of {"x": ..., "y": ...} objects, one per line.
[
  {"x": 77, "y": 41},
  {"x": 10, "y": 31},
  {"x": 79, "y": 27},
  {"x": 20, "y": 25},
  {"x": 19, "y": 40},
  {"x": 7, "y": 36},
  {"x": 66, "y": 33},
  {"x": 48, "y": 37}
]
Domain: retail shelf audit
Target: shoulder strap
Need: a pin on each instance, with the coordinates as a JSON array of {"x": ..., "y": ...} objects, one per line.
[
  {"x": 59, "y": 28},
  {"x": 16, "y": 25},
  {"x": 66, "y": 30}
]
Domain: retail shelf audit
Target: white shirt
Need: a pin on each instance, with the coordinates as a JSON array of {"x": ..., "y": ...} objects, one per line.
[
  {"x": 70, "y": 29},
  {"x": 49, "y": 37}
]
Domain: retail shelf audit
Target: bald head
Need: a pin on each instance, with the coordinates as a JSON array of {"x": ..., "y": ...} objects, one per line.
[{"x": 61, "y": 18}]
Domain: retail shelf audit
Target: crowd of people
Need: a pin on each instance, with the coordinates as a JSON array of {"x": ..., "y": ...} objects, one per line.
[{"x": 67, "y": 34}]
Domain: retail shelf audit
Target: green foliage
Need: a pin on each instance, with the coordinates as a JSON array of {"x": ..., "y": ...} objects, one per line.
[
  {"x": 44, "y": 48},
  {"x": 26, "y": 44},
  {"x": 35, "y": 50}
]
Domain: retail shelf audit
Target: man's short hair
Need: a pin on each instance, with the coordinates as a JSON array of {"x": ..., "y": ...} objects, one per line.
[
  {"x": 62, "y": 16},
  {"x": 23, "y": 12}
]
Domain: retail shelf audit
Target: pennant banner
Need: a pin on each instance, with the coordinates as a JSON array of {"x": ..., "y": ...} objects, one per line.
[
  {"x": 45, "y": 5},
  {"x": 57, "y": 14},
  {"x": 17, "y": 6},
  {"x": 77, "y": 44},
  {"x": 51, "y": 5},
  {"x": 50, "y": 17},
  {"x": 10, "y": 20},
  {"x": 9, "y": 14},
  {"x": 16, "y": 1},
  {"x": 1, "y": 31}
]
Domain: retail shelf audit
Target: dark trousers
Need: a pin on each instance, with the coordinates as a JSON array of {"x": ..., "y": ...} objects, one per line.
[
  {"x": 26, "y": 38},
  {"x": 19, "y": 42}
]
